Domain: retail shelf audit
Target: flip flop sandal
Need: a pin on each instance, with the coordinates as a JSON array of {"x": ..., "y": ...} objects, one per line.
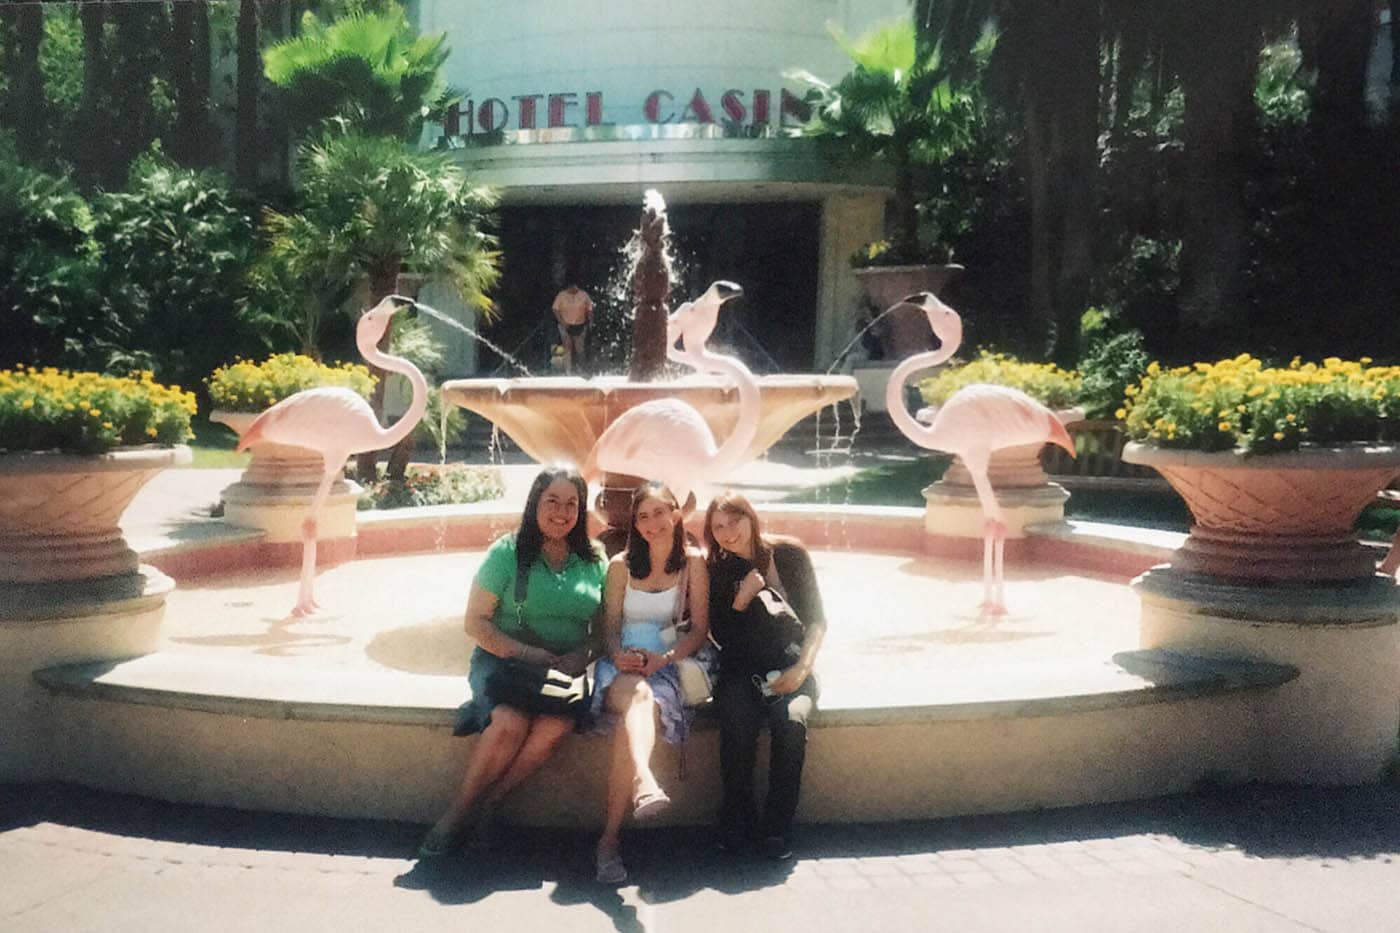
[
  {"x": 437, "y": 846},
  {"x": 651, "y": 804},
  {"x": 610, "y": 869}
]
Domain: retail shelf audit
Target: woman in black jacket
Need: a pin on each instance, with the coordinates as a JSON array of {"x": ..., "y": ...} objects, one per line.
[{"x": 765, "y": 674}]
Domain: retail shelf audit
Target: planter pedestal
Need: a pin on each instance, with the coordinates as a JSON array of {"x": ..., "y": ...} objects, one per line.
[
  {"x": 1024, "y": 492},
  {"x": 71, "y": 590},
  {"x": 1272, "y": 571},
  {"x": 275, "y": 490},
  {"x": 1337, "y": 722}
]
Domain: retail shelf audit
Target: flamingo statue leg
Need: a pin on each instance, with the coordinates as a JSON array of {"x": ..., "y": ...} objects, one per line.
[
  {"x": 993, "y": 538},
  {"x": 306, "y": 604}
]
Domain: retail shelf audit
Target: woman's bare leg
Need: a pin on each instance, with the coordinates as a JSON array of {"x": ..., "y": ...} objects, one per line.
[
  {"x": 498, "y": 746},
  {"x": 546, "y": 732}
]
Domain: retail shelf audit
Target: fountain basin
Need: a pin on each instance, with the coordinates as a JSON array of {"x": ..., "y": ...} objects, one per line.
[
  {"x": 560, "y": 418},
  {"x": 927, "y": 711}
]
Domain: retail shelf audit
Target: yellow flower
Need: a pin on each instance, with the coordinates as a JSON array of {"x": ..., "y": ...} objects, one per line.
[
  {"x": 1224, "y": 425},
  {"x": 1278, "y": 435},
  {"x": 1120, "y": 414},
  {"x": 27, "y": 403}
]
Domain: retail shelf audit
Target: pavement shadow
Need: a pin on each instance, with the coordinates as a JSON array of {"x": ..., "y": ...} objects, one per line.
[{"x": 1273, "y": 821}]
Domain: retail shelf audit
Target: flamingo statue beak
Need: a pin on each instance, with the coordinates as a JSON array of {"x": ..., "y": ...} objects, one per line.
[
  {"x": 943, "y": 320},
  {"x": 397, "y": 303},
  {"x": 726, "y": 290}
]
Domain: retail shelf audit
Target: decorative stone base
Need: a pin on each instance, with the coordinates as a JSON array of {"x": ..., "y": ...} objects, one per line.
[
  {"x": 1338, "y": 722},
  {"x": 42, "y": 624},
  {"x": 276, "y": 489},
  {"x": 279, "y": 511},
  {"x": 955, "y": 511}
]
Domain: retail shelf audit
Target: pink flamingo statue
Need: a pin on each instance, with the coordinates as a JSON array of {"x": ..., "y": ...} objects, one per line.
[
  {"x": 666, "y": 439},
  {"x": 337, "y": 423},
  {"x": 977, "y": 420}
]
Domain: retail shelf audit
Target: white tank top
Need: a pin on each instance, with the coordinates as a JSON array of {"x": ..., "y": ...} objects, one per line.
[{"x": 646, "y": 616}]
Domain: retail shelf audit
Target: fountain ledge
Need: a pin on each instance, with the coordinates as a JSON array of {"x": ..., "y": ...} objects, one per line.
[{"x": 1003, "y": 738}]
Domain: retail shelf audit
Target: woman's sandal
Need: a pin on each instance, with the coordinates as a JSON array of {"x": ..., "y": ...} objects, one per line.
[
  {"x": 436, "y": 846},
  {"x": 610, "y": 869},
  {"x": 649, "y": 804}
]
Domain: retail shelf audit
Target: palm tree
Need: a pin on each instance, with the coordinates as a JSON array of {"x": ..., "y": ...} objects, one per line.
[
  {"x": 245, "y": 129},
  {"x": 372, "y": 208},
  {"x": 903, "y": 102},
  {"x": 367, "y": 70}
]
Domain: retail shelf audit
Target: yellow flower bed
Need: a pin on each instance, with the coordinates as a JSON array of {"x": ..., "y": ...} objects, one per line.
[
  {"x": 88, "y": 413},
  {"x": 1044, "y": 382},
  {"x": 249, "y": 386},
  {"x": 1242, "y": 403}
]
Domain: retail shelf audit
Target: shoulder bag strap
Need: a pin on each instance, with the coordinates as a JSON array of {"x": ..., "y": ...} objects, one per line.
[{"x": 522, "y": 585}]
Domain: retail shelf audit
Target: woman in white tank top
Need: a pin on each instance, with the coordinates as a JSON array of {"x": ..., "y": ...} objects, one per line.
[{"x": 651, "y": 586}]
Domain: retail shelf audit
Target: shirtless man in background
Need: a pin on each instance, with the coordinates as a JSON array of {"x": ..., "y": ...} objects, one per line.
[{"x": 573, "y": 309}]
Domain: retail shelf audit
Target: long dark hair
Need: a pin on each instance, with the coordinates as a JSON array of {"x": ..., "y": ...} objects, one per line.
[
  {"x": 638, "y": 551},
  {"x": 528, "y": 537},
  {"x": 736, "y": 505}
]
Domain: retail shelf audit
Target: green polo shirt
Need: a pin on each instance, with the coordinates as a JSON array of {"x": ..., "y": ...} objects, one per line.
[{"x": 557, "y": 607}]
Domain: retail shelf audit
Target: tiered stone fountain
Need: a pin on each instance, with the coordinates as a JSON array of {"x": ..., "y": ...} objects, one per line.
[{"x": 560, "y": 418}]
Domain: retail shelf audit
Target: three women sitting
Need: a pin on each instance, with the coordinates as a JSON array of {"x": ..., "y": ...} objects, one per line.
[{"x": 655, "y": 607}]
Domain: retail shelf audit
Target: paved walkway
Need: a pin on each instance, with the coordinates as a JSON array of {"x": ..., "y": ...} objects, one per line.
[{"x": 1266, "y": 859}]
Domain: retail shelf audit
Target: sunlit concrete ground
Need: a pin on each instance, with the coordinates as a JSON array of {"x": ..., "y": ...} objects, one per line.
[{"x": 899, "y": 626}]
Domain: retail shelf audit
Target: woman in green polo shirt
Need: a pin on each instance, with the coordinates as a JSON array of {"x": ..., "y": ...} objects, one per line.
[{"x": 550, "y": 627}]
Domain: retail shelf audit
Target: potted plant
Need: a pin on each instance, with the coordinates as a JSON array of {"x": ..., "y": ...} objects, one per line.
[
  {"x": 908, "y": 104},
  {"x": 75, "y": 447},
  {"x": 280, "y": 480},
  {"x": 1275, "y": 463}
]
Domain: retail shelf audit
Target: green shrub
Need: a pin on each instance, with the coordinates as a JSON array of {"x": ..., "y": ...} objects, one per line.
[
  {"x": 1044, "y": 382},
  {"x": 88, "y": 413},
  {"x": 176, "y": 251},
  {"x": 1240, "y": 403},
  {"x": 249, "y": 386},
  {"x": 452, "y": 485},
  {"x": 50, "y": 310},
  {"x": 1111, "y": 363}
]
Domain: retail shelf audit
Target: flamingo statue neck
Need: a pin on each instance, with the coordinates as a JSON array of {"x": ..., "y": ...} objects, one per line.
[
  {"x": 894, "y": 389},
  {"x": 736, "y": 445},
  {"x": 367, "y": 340}
]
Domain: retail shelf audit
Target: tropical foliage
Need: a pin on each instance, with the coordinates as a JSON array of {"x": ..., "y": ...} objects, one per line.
[
  {"x": 1044, "y": 382},
  {"x": 88, "y": 413},
  {"x": 49, "y": 307},
  {"x": 1113, "y": 360},
  {"x": 247, "y": 386},
  {"x": 1241, "y": 403},
  {"x": 903, "y": 104},
  {"x": 176, "y": 245},
  {"x": 367, "y": 70}
]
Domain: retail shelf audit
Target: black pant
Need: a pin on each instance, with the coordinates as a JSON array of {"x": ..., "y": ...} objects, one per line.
[{"x": 743, "y": 712}]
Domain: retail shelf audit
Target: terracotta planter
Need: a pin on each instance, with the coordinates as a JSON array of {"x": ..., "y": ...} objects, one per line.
[
  {"x": 908, "y": 331},
  {"x": 277, "y": 485},
  {"x": 59, "y": 512},
  {"x": 1285, "y": 517}
]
